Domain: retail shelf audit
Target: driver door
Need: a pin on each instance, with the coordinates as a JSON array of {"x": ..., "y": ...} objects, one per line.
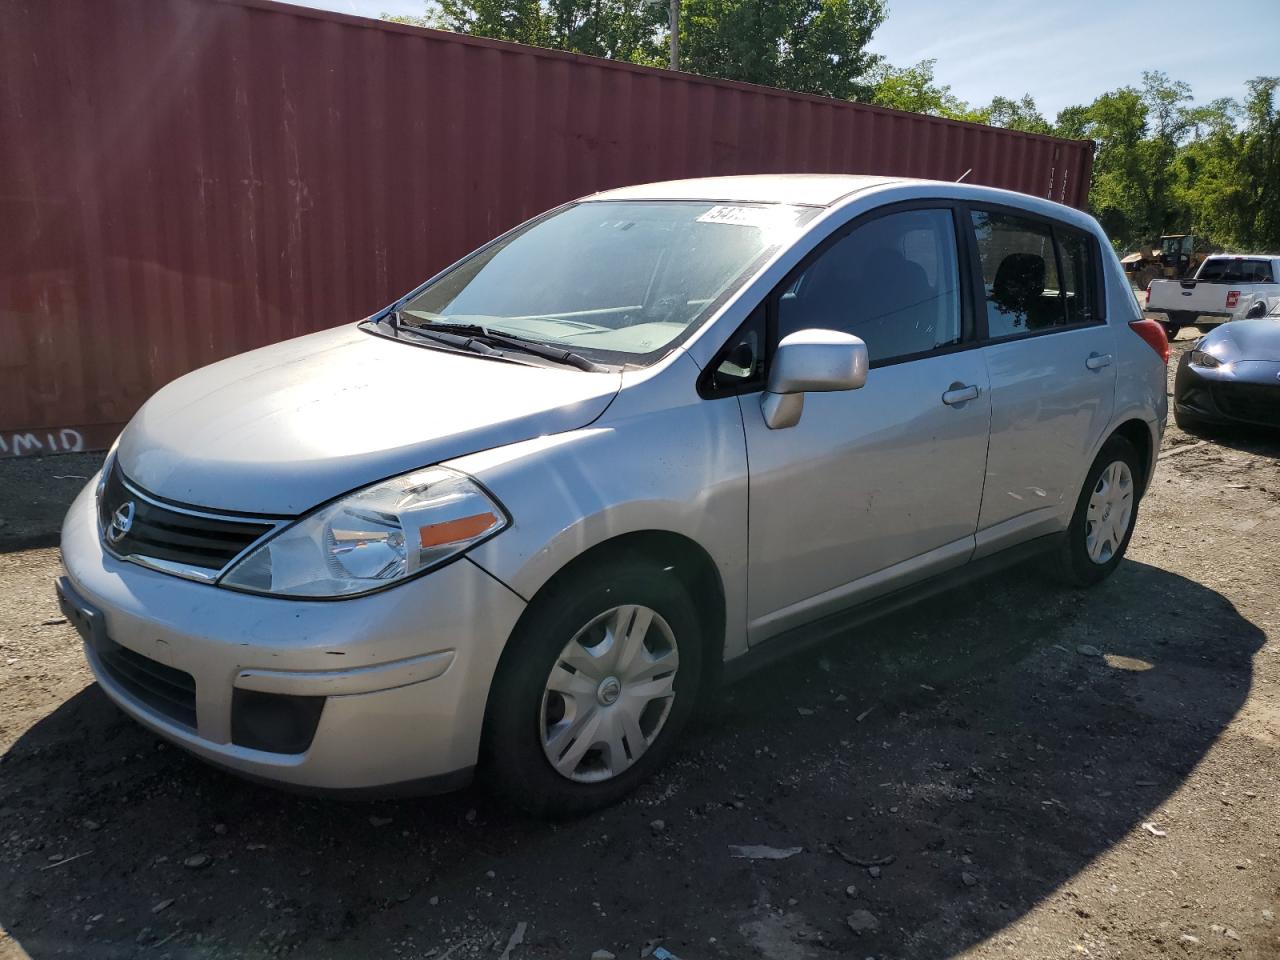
[{"x": 881, "y": 486}]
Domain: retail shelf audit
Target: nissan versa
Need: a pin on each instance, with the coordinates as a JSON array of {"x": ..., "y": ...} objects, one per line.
[{"x": 521, "y": 521}]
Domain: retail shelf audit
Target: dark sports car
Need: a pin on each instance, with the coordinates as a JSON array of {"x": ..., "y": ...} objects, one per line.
[{"x": 1231, "y": 375}]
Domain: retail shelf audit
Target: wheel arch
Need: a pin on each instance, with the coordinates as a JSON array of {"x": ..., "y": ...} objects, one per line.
[
  {"x": 1138, "y": 433},
  {"x": 686, "y": 560}
]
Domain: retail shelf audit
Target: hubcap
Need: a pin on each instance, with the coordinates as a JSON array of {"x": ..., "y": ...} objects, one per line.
[
  {"x": 609, "y": 694},
  {"x": 1110, "y": 510},
  {"x": 609, "y": 690}
]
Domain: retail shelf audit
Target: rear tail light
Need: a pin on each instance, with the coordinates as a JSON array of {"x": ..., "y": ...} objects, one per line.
[
  {"x": 1146, "y": 304},
  {"x": 1153, "y": 333},
  {"x": 1233, "y": 297}
]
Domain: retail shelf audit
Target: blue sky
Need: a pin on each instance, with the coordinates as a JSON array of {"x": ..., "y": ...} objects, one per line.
[{"x": 1060, "y": 53}]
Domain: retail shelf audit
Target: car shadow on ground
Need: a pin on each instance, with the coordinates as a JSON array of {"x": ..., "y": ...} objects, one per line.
[
  {"x": 955, "y": 765},
  {"x": 1255, "y": 440}
]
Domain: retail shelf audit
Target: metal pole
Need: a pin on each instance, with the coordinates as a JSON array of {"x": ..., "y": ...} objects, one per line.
[{"x": 675, "y": 34}]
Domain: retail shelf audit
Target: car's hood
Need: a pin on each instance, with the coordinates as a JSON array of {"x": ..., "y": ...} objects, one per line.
[
  {"x": 1245, "y": 340},
  {"x": 286, "y": 427}
]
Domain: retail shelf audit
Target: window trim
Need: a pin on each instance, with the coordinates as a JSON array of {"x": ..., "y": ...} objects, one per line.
[
  {"x": 1099, "y": 278},
  {"x": 968, "y": 338},
  {"x": 979, "y": 290},
  {"x": 705, "y": 384}
]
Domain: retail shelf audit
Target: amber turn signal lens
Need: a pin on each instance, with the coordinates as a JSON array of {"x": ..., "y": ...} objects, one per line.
[{"x": 454, "y": 531}]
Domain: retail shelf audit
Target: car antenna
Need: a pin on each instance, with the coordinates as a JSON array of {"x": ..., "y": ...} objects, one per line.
[{"x": 960, "y": 179}]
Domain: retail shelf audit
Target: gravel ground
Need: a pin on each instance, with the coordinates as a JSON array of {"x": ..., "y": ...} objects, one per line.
[{"x": 1013, "y": 770}]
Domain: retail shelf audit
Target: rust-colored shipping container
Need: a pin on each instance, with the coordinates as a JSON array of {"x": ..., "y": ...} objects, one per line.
[{"x": 181, "y": 180}]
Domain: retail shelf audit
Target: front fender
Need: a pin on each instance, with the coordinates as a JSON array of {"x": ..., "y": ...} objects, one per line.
[{"x": 680, "y": 469}]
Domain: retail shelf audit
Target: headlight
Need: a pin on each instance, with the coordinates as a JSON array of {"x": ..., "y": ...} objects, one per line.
[
  {"x": 1201, "y": 359},
  {"x": 373, "y": 538}
]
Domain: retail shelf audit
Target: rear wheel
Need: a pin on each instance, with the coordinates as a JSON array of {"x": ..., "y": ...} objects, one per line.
[
  {"x": 594, "y": 690},
  {"x": 1104, "y": 516}
]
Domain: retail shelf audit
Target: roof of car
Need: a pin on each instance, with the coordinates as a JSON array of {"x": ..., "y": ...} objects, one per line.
[{"x": 809, "y": 189}]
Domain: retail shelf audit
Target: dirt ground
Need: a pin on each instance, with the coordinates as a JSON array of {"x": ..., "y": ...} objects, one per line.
[{"x": 1014, "y": 770}]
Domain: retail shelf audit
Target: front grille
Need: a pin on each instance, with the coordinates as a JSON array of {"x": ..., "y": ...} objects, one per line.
[
  {"x": 1252, "y": 402},
  {"x": 164, "y": 689},
  {"x": 159, "y": 532}
]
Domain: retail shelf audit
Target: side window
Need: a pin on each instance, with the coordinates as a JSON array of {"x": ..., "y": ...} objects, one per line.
[
  {"x": 1079, "y": 278},
  {"x": 892, "y": 281},
  {"x": 1019, "y": 274}
]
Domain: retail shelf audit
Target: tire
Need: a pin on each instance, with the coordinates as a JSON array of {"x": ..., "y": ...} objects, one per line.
[
  {"x": 1171, "y": 331},
  {"x": 567, "y": 630},
  {"x": 1083, "y": 561}
]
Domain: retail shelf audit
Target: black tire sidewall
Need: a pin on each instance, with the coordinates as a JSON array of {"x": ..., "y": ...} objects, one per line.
[
  {"x": 1077, "y": 566},
  {"x": 512, "y": 758}
]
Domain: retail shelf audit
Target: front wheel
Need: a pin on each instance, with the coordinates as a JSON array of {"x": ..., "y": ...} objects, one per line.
[
  {"x": 594, "y": 690},
  {"x": 1105, "y": 513}
]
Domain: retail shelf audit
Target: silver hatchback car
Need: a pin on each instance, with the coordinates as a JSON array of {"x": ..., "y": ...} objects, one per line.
[{"x": 522, "y": 520}]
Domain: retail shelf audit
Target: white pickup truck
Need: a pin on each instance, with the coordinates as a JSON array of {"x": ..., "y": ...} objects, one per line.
[{"x": 1226, "y": 287}]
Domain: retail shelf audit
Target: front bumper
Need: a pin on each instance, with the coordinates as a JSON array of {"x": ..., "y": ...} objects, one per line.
[
  {"x": 402, "y": 675},
  {"x": 1246, "y": 391}
]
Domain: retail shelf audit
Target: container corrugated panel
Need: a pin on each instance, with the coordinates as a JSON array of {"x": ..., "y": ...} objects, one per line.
[{"x": 183, "y": 180}]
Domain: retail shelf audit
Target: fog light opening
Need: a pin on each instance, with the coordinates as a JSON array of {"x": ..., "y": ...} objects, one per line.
[{"x": 274, "y": 722}]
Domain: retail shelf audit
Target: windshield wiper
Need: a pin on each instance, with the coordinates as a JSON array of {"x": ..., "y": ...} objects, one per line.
[{"x": 480, "y": 339}]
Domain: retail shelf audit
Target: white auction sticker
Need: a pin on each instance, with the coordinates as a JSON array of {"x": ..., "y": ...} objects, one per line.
[{"x": 771, "y": 217}]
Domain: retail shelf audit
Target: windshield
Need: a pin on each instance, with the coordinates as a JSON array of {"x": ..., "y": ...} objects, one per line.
[{"x": 616, "y": 280}]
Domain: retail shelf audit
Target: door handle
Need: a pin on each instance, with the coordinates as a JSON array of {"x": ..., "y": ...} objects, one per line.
[
  {"x": 959, "y": 393},
  {"x": 1097, "y": 361}
]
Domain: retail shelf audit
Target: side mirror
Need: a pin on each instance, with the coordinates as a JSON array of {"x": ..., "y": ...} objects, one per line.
[{"x": 811, "y": 361}]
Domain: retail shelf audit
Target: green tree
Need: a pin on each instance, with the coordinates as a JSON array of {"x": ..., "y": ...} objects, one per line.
[
  {"x": 811, "y": 46},
  {"x": 1170, "y": 122},
  {"x": 1021, "y": 114},
  {"x": 521, "y": 21},
  {"x": 1260, "y": 163},
  {"x": 1117, "y": 123},
  {"x": 1163, "y": 165},
  {"x": 1228, "y": 176},
  {"x": 632, "y": 30},
  {"x": 618, "y": 29},
  {"x": 914, "y": 89}
]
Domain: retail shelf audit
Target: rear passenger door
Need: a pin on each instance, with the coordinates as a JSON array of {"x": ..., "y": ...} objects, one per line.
[{"x": 1050, "y": 359}]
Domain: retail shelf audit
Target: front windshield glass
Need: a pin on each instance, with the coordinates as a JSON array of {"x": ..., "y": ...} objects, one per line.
[{"x": 616, "y": 280}]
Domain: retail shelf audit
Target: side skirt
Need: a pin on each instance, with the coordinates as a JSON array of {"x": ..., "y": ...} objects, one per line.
[{"x": 811, "y": 634}]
